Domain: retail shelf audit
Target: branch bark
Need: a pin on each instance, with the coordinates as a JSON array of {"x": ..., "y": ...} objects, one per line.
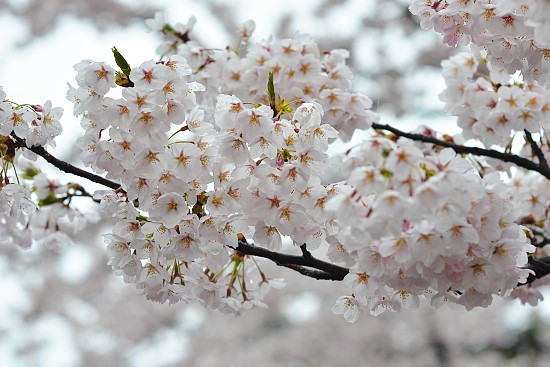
[{"x": 306, "y": 264}]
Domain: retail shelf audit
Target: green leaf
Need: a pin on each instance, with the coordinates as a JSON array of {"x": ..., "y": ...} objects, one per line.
[
  {"x": 30, "y": 172},
  {"x": 49, "y": 200},
  {"x": 386, "y": 174},
  {"x": 428, "y": 171},
  {"x": 287, "y": 156},
  {"x": 271, "y": 90},
  {"x": 123, "y": 80},
  {"x": 169, "y": 29},
  {"x": 283, "y": 106},
  {"x": 121, "y": 62}
]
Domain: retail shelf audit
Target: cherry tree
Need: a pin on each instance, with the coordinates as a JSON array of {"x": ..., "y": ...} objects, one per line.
[{"x": 211, "y": 158}]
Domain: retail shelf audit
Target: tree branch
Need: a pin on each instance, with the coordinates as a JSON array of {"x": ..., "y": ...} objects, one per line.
[
  {"x": 543, "y": 163},
  {"x": 536, "y": 233},
  {"x": 312, "y": 267},
  {"x": 540, "y": 266},
  {"x": 66, "y": 167},
  {"x": 541, "y": 168},
  {"x": 306, "y": 264}
]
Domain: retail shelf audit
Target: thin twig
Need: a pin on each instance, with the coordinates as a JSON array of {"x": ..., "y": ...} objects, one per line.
[
  {"x": 543, "y": 163},
  {"x": 305, "y": 251}
]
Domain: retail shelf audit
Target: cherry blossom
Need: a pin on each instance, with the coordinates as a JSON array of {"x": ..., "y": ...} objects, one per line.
[{"x": 217, "y": 158}]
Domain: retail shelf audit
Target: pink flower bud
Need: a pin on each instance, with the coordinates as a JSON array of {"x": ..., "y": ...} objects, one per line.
[{"x": 280, "y": 160}]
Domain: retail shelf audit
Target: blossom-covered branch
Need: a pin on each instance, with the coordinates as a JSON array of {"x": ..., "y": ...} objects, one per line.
[
  {"x": 305, "y": 264},
  {"x": 541, "y": 167},
  {"x": 64, "y": 166},
  {"x": 219, "y": 145}
]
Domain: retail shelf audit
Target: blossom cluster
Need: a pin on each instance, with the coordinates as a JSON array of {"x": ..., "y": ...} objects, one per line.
[
  {"x": 532, "y": 195},
  {"x": 422, "y": 224},
  {"x": 16, "y": 208},
  {"x": 37, "y": 211},
  {"x": 193, "y": 187},
  {"x": 39, "y": 125},
  {"x": 213, "y": 149},
  {"x": 299, "y": 69},
  {"x": 512, "y": 32},
  {"x": 208, "y": 155},
  {"x": 490, "y": 108}
]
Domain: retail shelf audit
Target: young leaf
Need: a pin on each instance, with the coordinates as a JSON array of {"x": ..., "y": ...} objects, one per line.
[
  {"x": 121, "y": 62},
  {"x": 271, "y": 92}
]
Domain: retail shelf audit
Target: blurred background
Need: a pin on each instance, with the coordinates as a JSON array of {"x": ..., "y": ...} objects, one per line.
[{"x": 64, "y": 307}]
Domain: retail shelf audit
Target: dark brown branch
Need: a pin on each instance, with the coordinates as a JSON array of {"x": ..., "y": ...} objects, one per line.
[
  {"x": 536, "y": 233},
  {"x": 306, "y": 265},
  {"x": 540, "y": 266},
  {"x": 541, "y": 243},
  {"x": 543, "y": 163},
  {"x": 461, "y": 149},
  {"x": 66, "y": 167}
]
